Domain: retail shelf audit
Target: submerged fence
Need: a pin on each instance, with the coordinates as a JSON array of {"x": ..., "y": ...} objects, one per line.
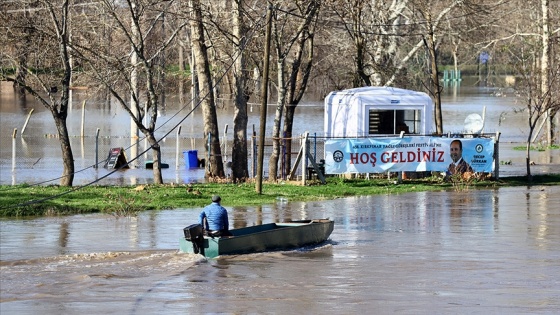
[
  {"x": 38, "y": 155},
  {"x": 33, "y": 153}
]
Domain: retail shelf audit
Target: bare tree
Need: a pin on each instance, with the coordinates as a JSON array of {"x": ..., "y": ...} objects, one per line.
[
  {"x": 294, "y": 45},
  {"x": 122, "y": 45},
  {"x": 231, "y": 30},
  {"x": 434, "y": 87},
  {"x": 545, "y": 64},
  {"x": 376, "y": 30},
  {"x": 215, "y": 167},
  {"x": 529, "y": 50},
  {"x": 538, "y": 101},
  {"x": 239, "y": 168},
  {"x": 44, "y": 28},
  {"x": 431, "y": 15}
]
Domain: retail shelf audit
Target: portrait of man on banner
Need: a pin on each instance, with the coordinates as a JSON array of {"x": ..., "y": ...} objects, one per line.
[{"x": 458, "y": 166}]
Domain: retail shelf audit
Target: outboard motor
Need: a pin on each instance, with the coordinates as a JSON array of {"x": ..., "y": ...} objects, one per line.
[{"x": 193, "y": 233}]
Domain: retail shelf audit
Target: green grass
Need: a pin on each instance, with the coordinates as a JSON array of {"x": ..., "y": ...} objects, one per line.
[
  {"x": 25, "y": 200},
  {"x": 536, "y": 148}
]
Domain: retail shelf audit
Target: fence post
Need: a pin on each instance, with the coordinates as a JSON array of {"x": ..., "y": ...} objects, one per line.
[
  {"x": 225, "y": 144},
  {"x": 96, "y": 148},
  {"x": 14, "y": 150},
  {"x": 254, "y": 153},
  {"x": 27, "y": 121},
  {"x": 401, "y": 173},
  {"x": 82, "y": 130},
  {"x": 304, "y": 159},
  {"x": 497, "y": 156},
  {"x": 284, "y": 156},
  {"x": 315, "y": 147},
  {"x": 177, "y": 149}
]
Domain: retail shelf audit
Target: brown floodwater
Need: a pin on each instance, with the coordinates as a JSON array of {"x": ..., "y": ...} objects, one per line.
[{"x": 491, "y": 251}]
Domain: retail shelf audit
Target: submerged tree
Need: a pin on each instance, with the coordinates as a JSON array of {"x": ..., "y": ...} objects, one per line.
[
  {"x": 294, "y": 47},
  {"x": 528, "y": 49},
  {"x": 232, "y": 46},
  {"x": 45, "y": 29},
  {"x": 121, "y": 46},
  {"x": 537, "y": 100},
  {"x": 215, "y": 167},
  {"x": 240, "y": 75}
]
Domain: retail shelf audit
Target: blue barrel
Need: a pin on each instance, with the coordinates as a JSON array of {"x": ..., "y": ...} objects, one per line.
[{"x": 191, "y": 158}]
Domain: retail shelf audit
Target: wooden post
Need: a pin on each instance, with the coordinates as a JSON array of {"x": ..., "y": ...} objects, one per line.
[
  {"x": 304, "y": 161},
  {"x": 225, "y": 143},
  {"x": 401, "y": 174},
  {"x": 14, "y": 149},
  {"x": 27, "y": 121},
  {"x": 82, "y": 133},
  {"x": 253, "y": 154},
  {"x": 497, "y": 156},
  {"x": 177, "y": 149},
  {"x": 96, "y": 148},
  {"x": 296, "y": 164},
  {"x": 264, "y": 99}
]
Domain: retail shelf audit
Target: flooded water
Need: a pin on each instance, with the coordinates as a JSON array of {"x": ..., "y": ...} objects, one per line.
[
  {"x": 38, "y": 151},
  {"x": 469, "y": 252},
  {"x": 476, "y": 251}
]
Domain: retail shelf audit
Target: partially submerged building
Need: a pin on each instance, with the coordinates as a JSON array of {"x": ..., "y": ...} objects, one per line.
[{"x": 372, "y": 110}]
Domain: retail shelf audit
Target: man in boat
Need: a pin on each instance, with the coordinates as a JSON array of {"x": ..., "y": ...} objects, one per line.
[
  {"x": 458, "y": 165},
  {"x": 214, "y": 219}
]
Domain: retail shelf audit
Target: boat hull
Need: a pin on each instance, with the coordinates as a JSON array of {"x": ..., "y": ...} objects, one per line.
[{"x": 260, "y": 238}]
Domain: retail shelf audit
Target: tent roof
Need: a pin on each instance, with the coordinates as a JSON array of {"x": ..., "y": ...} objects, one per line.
[{"x": 377, "y": 92}]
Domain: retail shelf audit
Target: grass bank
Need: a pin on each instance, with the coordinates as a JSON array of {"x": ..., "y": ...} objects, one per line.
[{"x": 25, "y": 200}]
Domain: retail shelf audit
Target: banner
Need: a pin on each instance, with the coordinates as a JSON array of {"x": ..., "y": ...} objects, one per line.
[{"x": 410, "y": 154}]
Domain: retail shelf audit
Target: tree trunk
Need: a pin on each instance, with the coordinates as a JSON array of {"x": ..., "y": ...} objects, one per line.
[
  {"x": 288, "y": 129},
  {"x": 528, "y": 160},
  {"x": 151, "y": 110},
  {"x": 290, "y": 91},
  {"x": 239, "y": 168},
  {"x": 281, "y": 97},
  {"x": 435, "y": 85},
  {"x": 67, "y": 156},
  {"x": 156, "y": 158},
  {"x": 21, "y": 77},
  {"x": 545, "y": 71},
  {"x": 362, "y": 78},
  {"x": 532, "y": 125},
  {"x": 214, "y": 166},
  {"x": 276, "y": 126},
  {"x": 60, "y": 112}
]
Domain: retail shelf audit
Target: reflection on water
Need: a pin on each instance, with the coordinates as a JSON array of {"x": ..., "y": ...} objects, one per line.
[{"x": 474, "y": 251}]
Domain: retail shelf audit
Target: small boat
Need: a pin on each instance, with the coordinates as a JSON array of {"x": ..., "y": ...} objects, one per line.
[{"x": 258, "y": 238}]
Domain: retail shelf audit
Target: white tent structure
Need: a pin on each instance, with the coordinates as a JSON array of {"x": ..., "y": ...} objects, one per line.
[{"x": 373, "y": 110}]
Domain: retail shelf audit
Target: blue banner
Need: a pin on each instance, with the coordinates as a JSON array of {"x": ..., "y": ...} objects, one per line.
[{"x": 379, "y": 155}]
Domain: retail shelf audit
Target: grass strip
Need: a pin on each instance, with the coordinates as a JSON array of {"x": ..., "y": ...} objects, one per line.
[{"x": 26, "y": 200}]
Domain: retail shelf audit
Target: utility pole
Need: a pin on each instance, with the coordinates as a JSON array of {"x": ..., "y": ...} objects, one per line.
[{"x": 264, "y": 100}]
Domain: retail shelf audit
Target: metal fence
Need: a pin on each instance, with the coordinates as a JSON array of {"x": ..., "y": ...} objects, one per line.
[
  {"x": 32, "y": 154},
  {"x": 38, "y": 155}
]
